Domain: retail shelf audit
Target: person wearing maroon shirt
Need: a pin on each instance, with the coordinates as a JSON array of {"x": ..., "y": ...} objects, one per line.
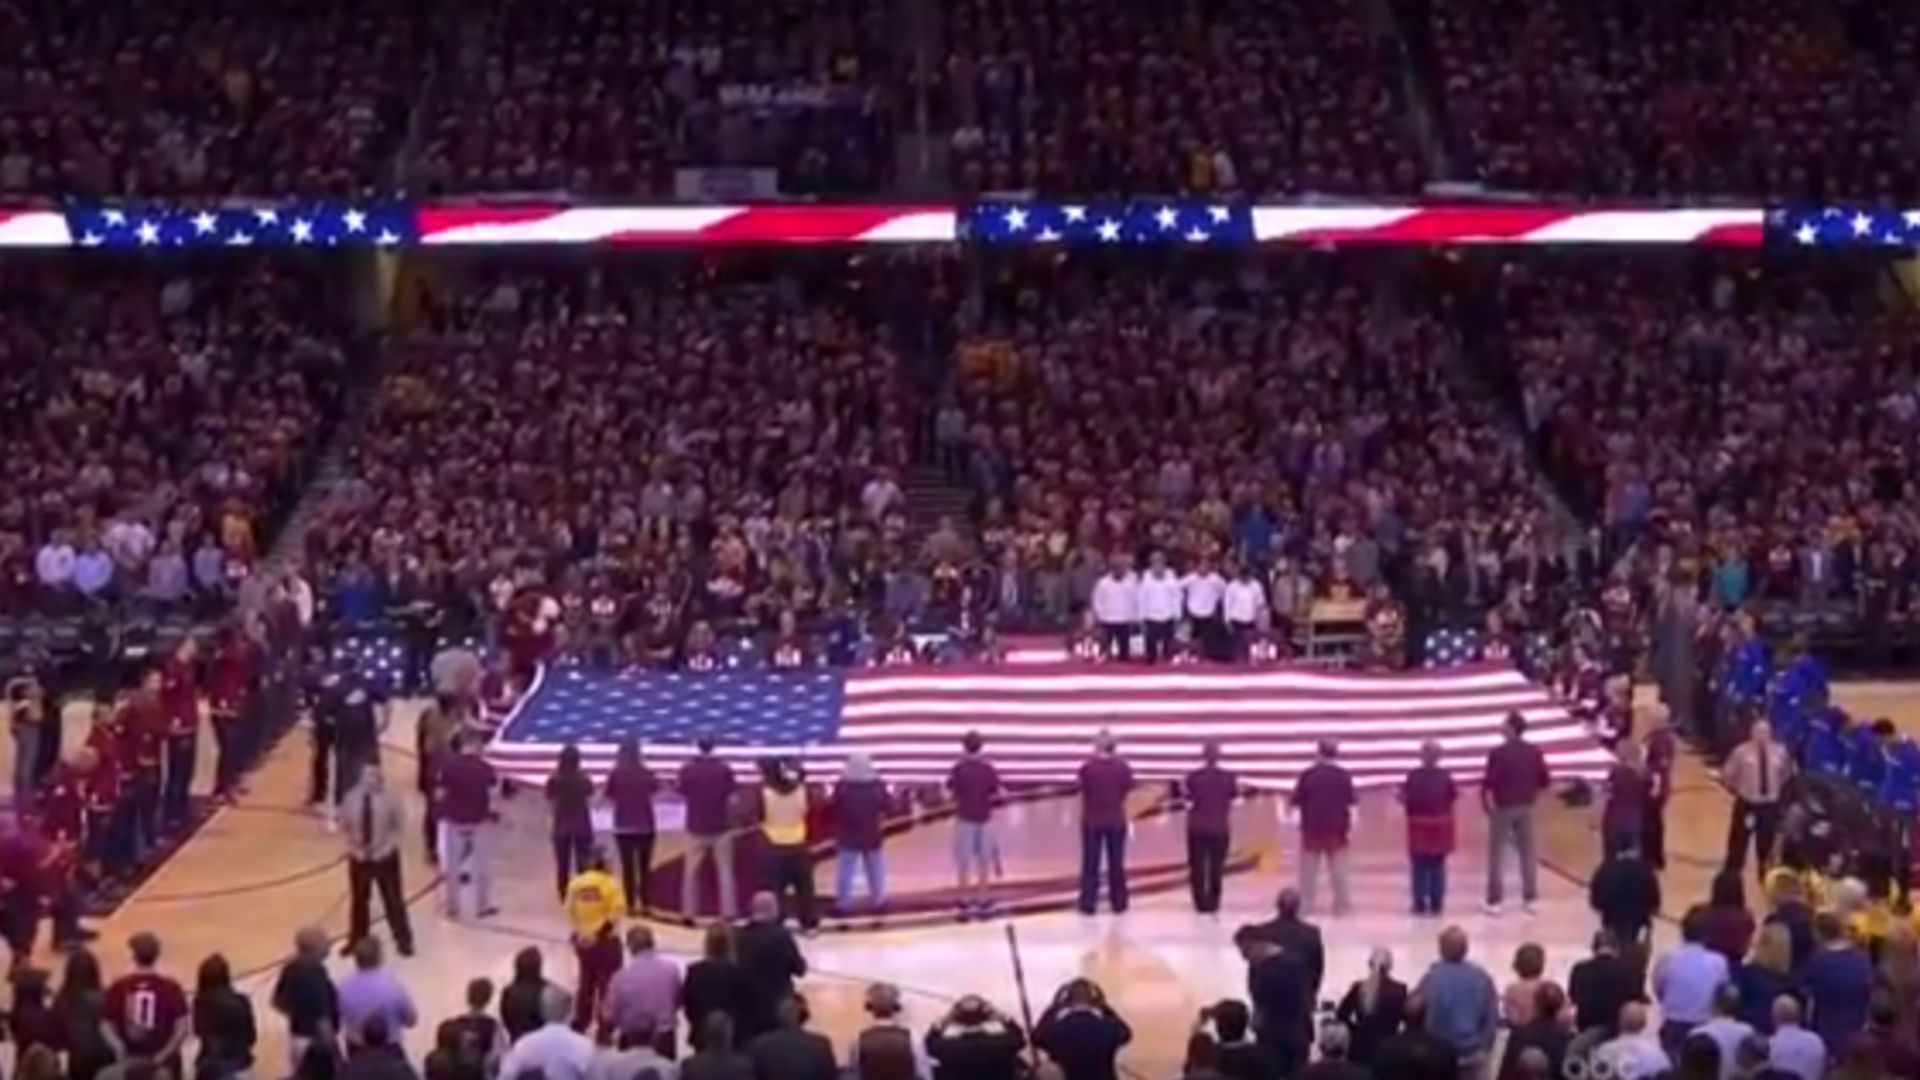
[
  {"x": 1105, "y": 782},
  {"x": 142, "y": 728},
  {"x": 1623, "y": 816},
  {"x": 180, "y": 705},
  {"x": 1210, "y": 791},
  {"x": 109, "y": 815},
  {"x": 631, "y": 788},
  {"x": 707, "y": 784},
  {"x": 1325, "y": 797},
  {"x": 859, "y": 827},
  {"x": 229, "y": 679},
  {"x": 36, "y": 876},
  {"x": 1662, "y": 747},
  {"x": 144, "y": 1016},
  {"x": 1516, "y": 778},
  {"x": 570, "y": 798},
  {"x": 974, "y": 784},
  {"x": 463, "y": 790},
  {"x": 61, "y": 816},
  {"x": 1429, "y": 795}
]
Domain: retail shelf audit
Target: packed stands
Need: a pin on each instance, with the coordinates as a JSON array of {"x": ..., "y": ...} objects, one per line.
[
  {"x": 1701, "y": 101},
  {"x": 1211, "y": 98},
  {"x": 205, "y": 98},
  {"x": 603, "y": 98},
  {"x": 165, "y": 417},
  {"x": 716, "y": 437},
  {"x": 1307, "y": 417}
]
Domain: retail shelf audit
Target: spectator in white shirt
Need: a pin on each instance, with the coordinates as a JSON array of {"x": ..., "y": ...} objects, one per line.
[
  {"x": 1160, "y": 602},
  {"x": 1205, "y": 590},
  {"x": 554, "y": 1049},
  {"x": 92, "y": 571},
  {"x": 1242, "y": 604},
  {"x": 1116, "y": 607},
  {"x": 1635, "y": 1053},
  {"x": 129, "y": 541}
]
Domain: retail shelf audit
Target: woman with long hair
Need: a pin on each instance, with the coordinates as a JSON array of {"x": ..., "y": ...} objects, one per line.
[
  {"x": 631, "y": 788},
  {"x": 1374, "y": 1008},
  {"x": 570, "y": 798},
  {"x": 1765, "y": 975},
  {"x": 1729, "y": 925},
  {"x": 79, "y": 1003},
  {"x": 222, "y": 1022},
  {"x": 715, "y": 985}
]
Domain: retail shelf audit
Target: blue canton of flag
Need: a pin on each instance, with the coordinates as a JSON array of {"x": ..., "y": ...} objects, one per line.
[
  {"x": 746, "y": 708},
  {"x": 1843, "y": 226},
  {"x": 321, "y": 225},
  {"x": 1143, "y": 222}
]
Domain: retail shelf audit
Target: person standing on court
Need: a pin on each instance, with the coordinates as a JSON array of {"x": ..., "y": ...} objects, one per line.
[
  {"x": 1210, "y": 791},
  {"x": 595, "y": 905},
  {"x": 1325, "y": 798},
  {"x": 707, "y": 785},
  {"x": 570, "y": 801},
  {"x": 1116, "y": 607},
  {"x": 1629, "y": 800},
  {"x": 1662, "y": 747},
  {"x": 974, "y": 785},
  {"x": 784, "y": 812},
  {"x": 464, "y": 787},
  {"x": 1516, "y": 778},
  {"x": 1429, "y": 795},
  {"x": 1160, "y": 603},
  {"x": 1756, "y": 772},
  {"x": 1105, "y": 782},
  {"x": 357, "y": 711},
  {"x": 373, "y": 824},
  {"x": 631, "y": 787}
]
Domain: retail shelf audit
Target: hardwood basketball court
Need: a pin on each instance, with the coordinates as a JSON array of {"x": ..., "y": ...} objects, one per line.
[{"x": 263, "y": 868}]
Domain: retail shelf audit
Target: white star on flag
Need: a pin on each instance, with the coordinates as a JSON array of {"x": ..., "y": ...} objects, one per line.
[
  {"x": 302, "y": 231},
  {"x": 356, "y": 221},
  {"x": 1167, "y": 218},
  {"x": 203, "y": 223},
  {"x": 267, "y": 216},
  {"x": 114, "y": 217},
  {"x": 1074, "y": 213},
  {"x": 148, "y": 232},
  {"x": 1016, "y": 219},
  {"x": 240, "y": 239},
  {"x": 1862, "y": 224},
  {"x": 1109, "y": 231}
]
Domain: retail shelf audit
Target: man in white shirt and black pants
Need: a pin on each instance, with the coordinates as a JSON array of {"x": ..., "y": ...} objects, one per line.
[
  {"x": 1206, "y": 591},
  {"x": 1241, "y": 604},
  {"x": 1116, "y": 607},
  {"x": 1161, "y": 600}
]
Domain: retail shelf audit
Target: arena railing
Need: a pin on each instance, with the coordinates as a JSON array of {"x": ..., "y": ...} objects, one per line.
[{"x": 318, "y": 224}]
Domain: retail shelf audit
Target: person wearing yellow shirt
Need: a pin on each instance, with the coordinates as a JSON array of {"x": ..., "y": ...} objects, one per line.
[
  {"x": 595, "y": 905},
  {"x": 783, "y": 823}
]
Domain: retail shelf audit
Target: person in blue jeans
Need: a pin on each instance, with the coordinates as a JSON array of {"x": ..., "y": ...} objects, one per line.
[{"x": 859, "y": 820}]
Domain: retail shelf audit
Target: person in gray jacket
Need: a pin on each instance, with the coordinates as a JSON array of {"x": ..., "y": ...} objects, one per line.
[{"x": 373, "y": 824}]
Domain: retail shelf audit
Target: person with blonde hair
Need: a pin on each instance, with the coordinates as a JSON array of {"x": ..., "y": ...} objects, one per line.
[
  {"x": 1375, "y": 1007},
  {"x": 1765, "y": 975}
]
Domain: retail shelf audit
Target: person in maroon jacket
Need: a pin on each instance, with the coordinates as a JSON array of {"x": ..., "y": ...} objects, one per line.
[
  {"x": 61, "y": 816},
  {"x": 631, "y": 788},
  {"x": 144, "y": 1014},
  {"x": 1210, "y": 791},
  {"x": 1661, "y": 749},
  {"x": 707, "y": 784},
  {"x": 36, "y": 876},
  {"x": 859, "y": 826},
  {"x": 1429, "y": 795},
  {"x": 1516, "y": 778},
  {"x": 180, "y": 708},
  {"x": 229, "y": 680},
  {"x": 1325, "y": 798},
  {"x": 109, "y": 815},
  {"x": 463, "y": 792},
  {"x": 1105, "y": 782},
  {"x": 142, "y": 727}
]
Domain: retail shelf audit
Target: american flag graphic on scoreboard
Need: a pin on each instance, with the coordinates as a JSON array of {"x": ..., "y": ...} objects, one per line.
[{"x": 1040, "y": 720}]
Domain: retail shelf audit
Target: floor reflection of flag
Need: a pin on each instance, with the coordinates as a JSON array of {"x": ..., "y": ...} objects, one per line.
[{"x": 1039, "y": 720}]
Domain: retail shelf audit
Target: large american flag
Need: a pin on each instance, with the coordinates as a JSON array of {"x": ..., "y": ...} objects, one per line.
[{"x": 1040, "y": 720}]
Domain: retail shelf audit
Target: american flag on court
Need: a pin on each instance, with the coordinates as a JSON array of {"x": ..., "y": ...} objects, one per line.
[{"x": 1039, "y": 720}]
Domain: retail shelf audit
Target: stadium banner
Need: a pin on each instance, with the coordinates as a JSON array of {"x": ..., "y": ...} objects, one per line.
[
  {"x": 726, "y": 185},
  {"x": 755, "y": 219}
]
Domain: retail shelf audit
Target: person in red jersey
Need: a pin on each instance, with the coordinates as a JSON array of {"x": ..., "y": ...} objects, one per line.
[
  {"x": 144, "y": 1015},
  {"x": 180, "y": 709},
  {"x": 142, "y": 727},
  {"x": 36, "y": 876},
  {"x": 1661, "y": 749},
  {"x": 229, "y": 679},
  {"x": 109, "y": 816}
]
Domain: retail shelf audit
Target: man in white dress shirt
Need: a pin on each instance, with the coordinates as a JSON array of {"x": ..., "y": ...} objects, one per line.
[
  {"x": 1161, "y": 599},
  {"x": 1116, "y": 607},
  {"x": 1242, "y": 604},
  {"x": 1205, "y": 590}
]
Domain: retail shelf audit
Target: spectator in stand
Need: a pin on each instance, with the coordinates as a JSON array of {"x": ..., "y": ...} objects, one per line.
[
  {"x": 520, "y": 1000},
  {"x": 771, "y": 961},
  {"x": 371, "y": 992},
  {"x": 1791, "y": 1048},
  {"x": 974, "y": 1041},
  {"x": 222, "y": 1022},
  {"x": 645, "y": 994},
  {"x": 1056, "y": 98},
  {"x": 1838, "y": 981},
  {"x": 716, "y": 984},
  {"x": 1458, "y": 1004},
  {"x": 1726, "y": 1029},
  {"x": 1282, "y": 991},
  {"x": 1625, "y": 895},
  {"x": 886, "y": 1048},
  {"x": 1374, "y": 1008},
  {"x": 304, "y": 994},
  {"x": 1765, "y": 975},
  {"x": 145, "y": 1015},
  {"x": 1081, "y": 1033},
  {"x": 554, "y": 1050},
  {"x": 790, "y": 1051}
]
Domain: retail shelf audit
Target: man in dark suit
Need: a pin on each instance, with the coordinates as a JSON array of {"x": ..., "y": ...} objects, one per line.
[
  {"x": 1601, "y": 985},
  {"x": 771, "y": 961},
  {"x": 790, "y": 1051},
  {"x": 1300, "y": 938},
  {"x": 1283, "y": 998},
  {"x": 1625, "y": 894}
]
